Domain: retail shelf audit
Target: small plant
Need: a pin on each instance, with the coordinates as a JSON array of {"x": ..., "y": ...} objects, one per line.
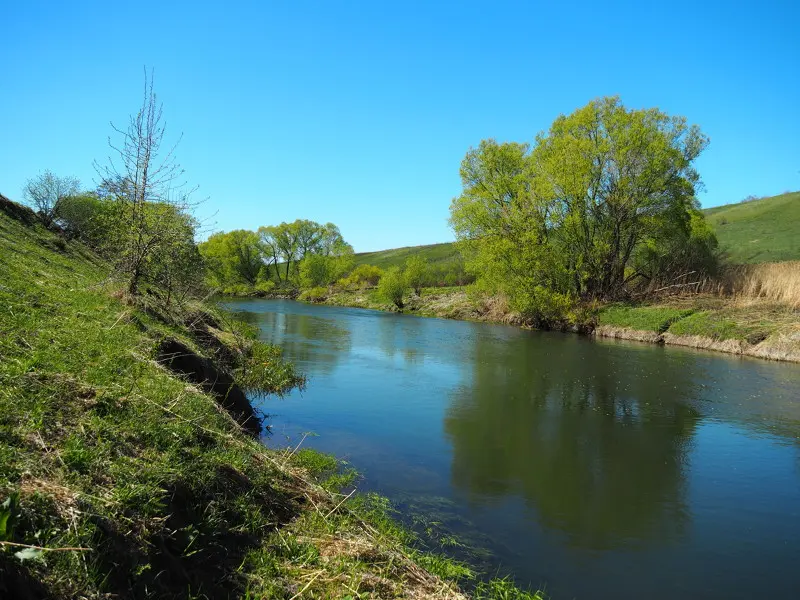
[
  {"x": 9, "y": 514},
  {"x": 504, "y": 589}
]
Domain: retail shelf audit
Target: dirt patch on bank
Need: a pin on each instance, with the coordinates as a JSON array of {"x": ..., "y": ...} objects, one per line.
[{"x": 781, "y": 347}]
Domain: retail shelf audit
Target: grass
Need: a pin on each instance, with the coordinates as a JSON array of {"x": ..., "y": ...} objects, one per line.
[
  {"x": 720, "y": 326},
  {"x": 436, "y": 254},
  {"x": 758, "y": 231},
  {"x": 642, "y": 318},
  {"x": 133, "y": 482},
  {"x": 773, "y": 282}
]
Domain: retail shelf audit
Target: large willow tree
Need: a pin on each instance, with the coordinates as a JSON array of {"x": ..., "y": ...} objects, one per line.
[{"x": 604, "y": 199}]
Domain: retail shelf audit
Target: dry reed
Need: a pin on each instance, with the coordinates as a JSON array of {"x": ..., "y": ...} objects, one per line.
[{"x": 774, "y": 282}]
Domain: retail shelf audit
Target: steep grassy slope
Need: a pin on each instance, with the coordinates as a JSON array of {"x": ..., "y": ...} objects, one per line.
[
  {"x": 436, "y": 254},
  {"x": 120, "y": 479},
  {"x": 765, "y": 230}
]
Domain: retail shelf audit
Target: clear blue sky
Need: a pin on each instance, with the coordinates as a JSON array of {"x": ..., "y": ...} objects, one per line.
[{"x": 360, "y": 112}]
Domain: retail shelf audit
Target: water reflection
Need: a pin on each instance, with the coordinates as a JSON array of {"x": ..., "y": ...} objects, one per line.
[
  {"x": 305, "y": 338},
  {"x": 596, "y": 448}
]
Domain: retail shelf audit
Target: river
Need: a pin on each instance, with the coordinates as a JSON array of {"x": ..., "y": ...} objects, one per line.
[{"x": 588, "y": 468}]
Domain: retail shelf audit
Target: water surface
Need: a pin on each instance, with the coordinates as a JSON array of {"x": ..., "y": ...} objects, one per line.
[{"x": 594, "y": 469}]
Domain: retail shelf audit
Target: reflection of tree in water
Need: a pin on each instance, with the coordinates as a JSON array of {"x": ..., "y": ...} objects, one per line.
[
  {"x": 595, "y": 444},
  {"x": 305, "y": 339},
  {"x": 399, "y": 336}
]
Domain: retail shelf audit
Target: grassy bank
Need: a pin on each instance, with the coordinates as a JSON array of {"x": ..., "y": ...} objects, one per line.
[
  {"x": 758, "y": 231},
  {"x": 120, "y": 477},
  {"x": 754, "y": 324}
]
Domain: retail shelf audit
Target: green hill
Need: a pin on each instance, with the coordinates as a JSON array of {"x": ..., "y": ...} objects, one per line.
[
  {"x": 756, "y": 231},
  {"x": 435, "y": 253},
  {"x": 764, "y": 230}
]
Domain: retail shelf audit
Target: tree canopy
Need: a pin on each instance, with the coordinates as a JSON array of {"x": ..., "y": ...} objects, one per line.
[
  {"x": 303, "y": 251},
  {"x": 579, "y": 214}
]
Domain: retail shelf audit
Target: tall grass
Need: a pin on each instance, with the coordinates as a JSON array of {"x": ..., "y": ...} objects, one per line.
[{"x": 775, "y": 282}]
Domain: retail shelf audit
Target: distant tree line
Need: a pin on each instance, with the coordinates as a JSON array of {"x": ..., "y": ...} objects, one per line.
[{"x": 302, "y": 253}]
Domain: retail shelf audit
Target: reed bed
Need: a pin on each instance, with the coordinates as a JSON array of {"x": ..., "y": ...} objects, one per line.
[{"x": 774, "y": 282}]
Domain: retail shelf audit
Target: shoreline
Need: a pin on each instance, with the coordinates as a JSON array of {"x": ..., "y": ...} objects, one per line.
[
  {"x": 778, "y": 353},
  {"x": 781, "y": 343}
]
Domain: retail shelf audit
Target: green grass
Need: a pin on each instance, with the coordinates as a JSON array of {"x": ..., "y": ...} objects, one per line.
[
  {"x": 751, "y": 325},
  {"x": 642, "y": 318},
  {"x": 436, "y": 254},
  {"x": 765, "y": 230}
]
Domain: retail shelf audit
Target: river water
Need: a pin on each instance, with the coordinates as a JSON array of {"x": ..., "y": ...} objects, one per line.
[{"x": 592, "y": 469}]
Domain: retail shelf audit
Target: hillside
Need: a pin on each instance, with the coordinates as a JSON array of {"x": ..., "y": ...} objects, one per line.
[
  {"x": 436, "y": 254},
  {"x": 764, "y": 230}
]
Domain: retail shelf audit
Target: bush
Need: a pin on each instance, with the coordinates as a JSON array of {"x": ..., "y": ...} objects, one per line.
[
  {"x": 265, "y": 287},
  {"x": 237, "y": 289},
  {"x": 416, "y": 273},
  {"x": 392, "y": 286},
  {"x": 362, "y": 276},
  {"x": 315, "y": 294}
]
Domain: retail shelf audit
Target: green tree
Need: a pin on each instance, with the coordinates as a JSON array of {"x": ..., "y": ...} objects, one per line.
[
  {"x": 143, "y": 176},
  {"x": 315, "y": 271},
  {"x": 178, "y": 267},
  {"x": 233, "y": 258},
  {"x": 86, "y": 217},
  {"x": 566, "y": 219},
  {"x": 417, "y": 273},
  {"x": 392, "y": 286},
  {"x": 286, "y": 236},
  {"x": 46, "y": 191},
  {"x": 363, "y": 275},
  {"x": 270, "y": 248}
]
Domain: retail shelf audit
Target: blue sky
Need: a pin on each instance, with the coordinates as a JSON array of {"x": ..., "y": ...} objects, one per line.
[{"x": 359, "y": 113}]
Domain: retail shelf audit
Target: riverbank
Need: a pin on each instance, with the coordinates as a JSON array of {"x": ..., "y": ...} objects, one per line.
[
  {"x": 746, "y": 327},
  {"x": 125, "y": 472}
]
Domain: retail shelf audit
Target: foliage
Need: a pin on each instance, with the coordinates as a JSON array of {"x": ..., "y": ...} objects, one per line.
[
  {"x": 47, "y": 190},
  {"x": 261, "y": 369},
  {"x": 232, "y": 258},
  {"x": 150, "y": 205},
  {"x": 314, "y": 294},
  {"x": 567, "y": 219},
  {"x": 678, "y": 249},
  {"x": 362, "y": 276},
  {"x": 320, "y": 269},
  {"x": 392, "y": 286},
  {"x": 86, "y": 217},
  {"x": 288, "y": 244},
  {"x": 416, "y": 273},
  {"x": 266, "y": 287}
]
